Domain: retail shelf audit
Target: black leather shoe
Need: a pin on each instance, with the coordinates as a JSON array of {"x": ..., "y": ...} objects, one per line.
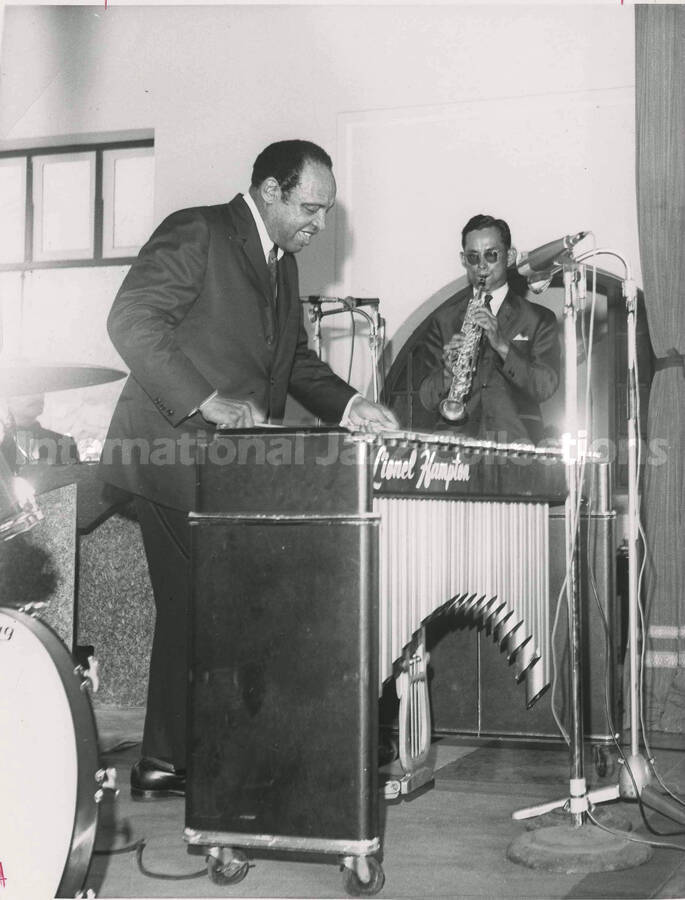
[{"x": 149, "y": 781}]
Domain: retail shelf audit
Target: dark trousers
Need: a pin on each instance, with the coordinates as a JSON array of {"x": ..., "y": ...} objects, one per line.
[{"x": 166, "y": 536}]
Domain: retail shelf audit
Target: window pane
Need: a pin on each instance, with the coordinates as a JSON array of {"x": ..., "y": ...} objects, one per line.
[
  {"x": 11, "y": 291},
  {"x": 128, "y": 195},
  {"x": 64, "y": 200},
  {"x": 12, "y": 209}
]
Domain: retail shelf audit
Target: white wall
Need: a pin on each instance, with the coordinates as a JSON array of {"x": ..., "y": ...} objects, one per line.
[{"x": 534, "y": 104}]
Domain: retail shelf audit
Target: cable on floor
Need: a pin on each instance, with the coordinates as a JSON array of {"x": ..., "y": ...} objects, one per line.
[
  {"x": 636, "y": 840},
  {"x": 163, "y": 875},
  {"x": 138, "y": 848}
]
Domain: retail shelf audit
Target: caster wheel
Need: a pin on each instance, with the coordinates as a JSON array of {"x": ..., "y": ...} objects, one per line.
[
  {"x": 356, "y": 887},
  {"x": 231, "y": 871}
]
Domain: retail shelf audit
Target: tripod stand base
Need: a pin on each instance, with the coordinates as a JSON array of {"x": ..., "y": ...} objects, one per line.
[
  {"x": 568, "y": 850},
  {"x": 612, "y": 816}
]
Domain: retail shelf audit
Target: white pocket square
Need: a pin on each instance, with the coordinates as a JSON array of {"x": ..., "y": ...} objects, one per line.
[{"x": 520, "y": 337}]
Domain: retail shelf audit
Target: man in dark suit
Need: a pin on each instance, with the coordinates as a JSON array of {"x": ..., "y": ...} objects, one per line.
[
  {"x": 209, "y": 322},
  {"x": 518, "y": 361}
]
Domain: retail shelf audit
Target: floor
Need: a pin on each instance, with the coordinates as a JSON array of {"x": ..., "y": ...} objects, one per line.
[{"x": 448, "y": 841}]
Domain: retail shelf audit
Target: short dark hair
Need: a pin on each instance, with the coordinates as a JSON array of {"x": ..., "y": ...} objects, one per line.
[
  {"x": 476, "y": 223},
  {"x": 285, "y": 160}
]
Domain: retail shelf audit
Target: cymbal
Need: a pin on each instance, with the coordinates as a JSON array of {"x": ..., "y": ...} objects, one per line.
[{"x": 20, "y": 379}]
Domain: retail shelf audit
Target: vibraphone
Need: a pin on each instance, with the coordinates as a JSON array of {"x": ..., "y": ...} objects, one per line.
[
  {"x": 318, "y": 556},
  {"x": 484, "y": 558}
]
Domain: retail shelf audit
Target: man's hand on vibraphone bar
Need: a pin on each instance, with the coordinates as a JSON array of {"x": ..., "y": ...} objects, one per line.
[{"x": 364, "y": 415}]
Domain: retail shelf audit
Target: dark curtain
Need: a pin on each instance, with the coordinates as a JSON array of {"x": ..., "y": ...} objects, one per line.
[{"x": 660, "y": 126}]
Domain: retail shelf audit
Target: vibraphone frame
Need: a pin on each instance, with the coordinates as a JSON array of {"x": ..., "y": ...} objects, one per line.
[{"x": 283, "y": 711}]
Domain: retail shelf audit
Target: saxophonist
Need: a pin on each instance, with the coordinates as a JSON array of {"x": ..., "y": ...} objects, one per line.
[{"x": 516, "y": 360}]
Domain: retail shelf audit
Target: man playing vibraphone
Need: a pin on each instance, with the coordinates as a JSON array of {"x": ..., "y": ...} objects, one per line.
[{"x": 209, "y": 322}]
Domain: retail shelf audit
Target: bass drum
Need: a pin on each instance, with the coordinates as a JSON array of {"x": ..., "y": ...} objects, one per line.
[{"x": 49, "y": 764}]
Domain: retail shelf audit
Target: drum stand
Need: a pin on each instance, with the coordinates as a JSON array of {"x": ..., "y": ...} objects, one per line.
[{"x": 577, "y": 845}]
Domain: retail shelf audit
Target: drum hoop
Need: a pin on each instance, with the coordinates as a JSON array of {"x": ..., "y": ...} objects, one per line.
[{"x": 85, "y": 733}]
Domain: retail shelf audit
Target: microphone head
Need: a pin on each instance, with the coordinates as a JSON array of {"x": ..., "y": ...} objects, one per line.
[
  {"x": 576, "y": 238},
  {"x": 538, "y": 282}
]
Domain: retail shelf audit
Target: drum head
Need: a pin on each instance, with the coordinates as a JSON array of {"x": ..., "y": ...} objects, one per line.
[{"x": 48, "y": 748}]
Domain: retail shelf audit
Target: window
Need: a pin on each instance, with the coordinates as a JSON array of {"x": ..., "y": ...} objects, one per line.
[
  {"x": 63, "y": 206},
  {"x": 128, "y": 179},
  {"x": 75, "y": 206},
  {"x": 72, "y": 220}
]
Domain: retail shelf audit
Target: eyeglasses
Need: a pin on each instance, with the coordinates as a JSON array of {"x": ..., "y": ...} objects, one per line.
[{"x": 473, "y": 258}]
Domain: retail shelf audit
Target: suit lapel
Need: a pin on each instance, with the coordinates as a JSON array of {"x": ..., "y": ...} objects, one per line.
[
  {"x": 507, "y": 314},
  {"x": 243, "y": 232}
]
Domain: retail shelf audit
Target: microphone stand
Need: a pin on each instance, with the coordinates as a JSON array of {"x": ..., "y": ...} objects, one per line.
[
  {"x": 349, "y": 304},
  {"x": 635, "y": 774},
  {"x": 315, "y": 316},
  {"x": 577, "y": 846}
]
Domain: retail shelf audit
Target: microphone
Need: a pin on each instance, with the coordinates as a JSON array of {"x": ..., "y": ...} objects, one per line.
[
  {"x": 346, "y": 301},
  {"x": 545, "y": 257}
]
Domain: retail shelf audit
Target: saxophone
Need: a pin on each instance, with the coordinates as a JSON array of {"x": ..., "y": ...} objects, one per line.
[{"x": 452, "y": 407}]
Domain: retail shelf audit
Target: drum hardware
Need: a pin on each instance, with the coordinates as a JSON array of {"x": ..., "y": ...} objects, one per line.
[
  {"x": 20, "y": 378},
  {"x": 107, "y": 779},
  {"x": 18, "y": 508},
  {"x": 34, "y": 608},
  {"x": 90, "y": 677}
]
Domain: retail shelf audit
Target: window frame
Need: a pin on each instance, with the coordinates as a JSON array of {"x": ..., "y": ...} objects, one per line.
[{"x": 97, "y": 259}]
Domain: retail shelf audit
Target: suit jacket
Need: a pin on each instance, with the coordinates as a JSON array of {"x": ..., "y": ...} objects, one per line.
[
  {"x": 504, "y": 403},
  {"x": 194, "y": 315}
]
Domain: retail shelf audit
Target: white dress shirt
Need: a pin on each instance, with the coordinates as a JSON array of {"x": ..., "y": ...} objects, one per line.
[{"x": 498, "y": 296}]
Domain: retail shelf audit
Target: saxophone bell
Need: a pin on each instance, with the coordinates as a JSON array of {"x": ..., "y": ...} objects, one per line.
[{"x": 452, "y": 410}]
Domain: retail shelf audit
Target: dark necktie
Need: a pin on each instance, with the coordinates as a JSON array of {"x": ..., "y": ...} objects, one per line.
[
  {"x": 272, "y": 263},
  {"x": 487, "y": 299}
]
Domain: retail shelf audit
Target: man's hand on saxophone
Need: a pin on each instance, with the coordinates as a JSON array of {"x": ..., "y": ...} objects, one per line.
[
  {"x": 485, "y": 319},
  {"x": 450, "y": 351}
]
